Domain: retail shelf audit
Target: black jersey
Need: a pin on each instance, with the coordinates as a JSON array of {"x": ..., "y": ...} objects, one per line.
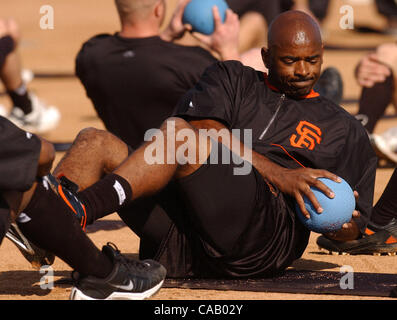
[
  {"x": 135, "y": 83},
  {"x": 309, "y": 132},
  {"x": 19, "y": 156}
]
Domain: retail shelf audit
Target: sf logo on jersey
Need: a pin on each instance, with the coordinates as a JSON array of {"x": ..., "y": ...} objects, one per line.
[{"x": 307, "y": 136}]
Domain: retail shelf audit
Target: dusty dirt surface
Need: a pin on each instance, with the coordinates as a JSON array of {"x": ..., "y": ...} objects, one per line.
[{"x": 53, "y": 51}]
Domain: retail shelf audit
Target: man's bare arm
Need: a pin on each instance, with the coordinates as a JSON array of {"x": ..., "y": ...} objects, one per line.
[
  {"x": 295, "y": 182},
  {"x": 46, "y": 159}
]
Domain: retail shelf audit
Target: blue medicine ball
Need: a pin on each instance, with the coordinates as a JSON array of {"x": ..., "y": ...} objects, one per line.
[
  {"x": 198, "y": 13},
  {"x": 336, "y": 211}
]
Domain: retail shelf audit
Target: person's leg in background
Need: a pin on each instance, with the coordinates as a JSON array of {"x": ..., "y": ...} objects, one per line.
[
  {"x": 374, "y": 101},
  {"x": 372, "y": 107},
  {"x": 385, "y": 208},
  {"x": 381, "y": 233},
  {"x": 319, "y": 8},
  {"x": 11, "y": 76},
  {"x": 253, "y": 31},
  {"x": 255, "y": 17},
  {"x": 27, "y": 112},
  {"x": 315, "y": 8},
  {"x": 388, "y": 8}
]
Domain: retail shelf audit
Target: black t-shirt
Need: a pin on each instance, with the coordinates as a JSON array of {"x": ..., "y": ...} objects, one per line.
[
  {"x": 19, "y": 156},
  {"x": 135, "y": 83},
  {"x": 312, "y": 132}
]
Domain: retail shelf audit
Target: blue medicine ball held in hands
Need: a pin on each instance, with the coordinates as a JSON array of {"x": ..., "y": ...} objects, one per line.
[
  {"x": 198, "y": 13},
  {"x": 336, "y": 211}
]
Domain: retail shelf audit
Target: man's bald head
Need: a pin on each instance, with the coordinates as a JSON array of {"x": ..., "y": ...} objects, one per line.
[
  {"x": 293, "y": 28},
  {"x": 134, "y": 9},
  {"x": 294, "y": 53}
]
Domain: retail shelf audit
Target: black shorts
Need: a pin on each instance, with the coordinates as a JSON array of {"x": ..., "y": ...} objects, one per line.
[{"x": 214, "y": 223}]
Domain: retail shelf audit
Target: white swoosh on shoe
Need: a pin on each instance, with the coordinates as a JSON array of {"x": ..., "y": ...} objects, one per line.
[{"x": 128, "y": 287}]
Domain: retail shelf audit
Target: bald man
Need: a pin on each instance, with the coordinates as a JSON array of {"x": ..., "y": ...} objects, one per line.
[
  {"x": 226, "y": 171},
  {"x": 136, "y": 76}
]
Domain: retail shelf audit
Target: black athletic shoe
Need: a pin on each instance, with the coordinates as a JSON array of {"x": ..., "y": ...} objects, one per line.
[
  {"x": 129, "y": 280},
  {"x": 67, "y": 190},
  {"x": 330, "y": 85},
  {"x": 36, "y": 256},
  {"x": 376, "y": 240}
]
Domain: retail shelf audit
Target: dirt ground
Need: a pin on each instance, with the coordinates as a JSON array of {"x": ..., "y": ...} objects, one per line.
[{"x": 53, "y": 51}]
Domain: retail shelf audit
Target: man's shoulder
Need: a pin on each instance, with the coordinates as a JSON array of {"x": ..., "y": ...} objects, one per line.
[
  {"x": 347, "y": 120},
  {"x": 235, "y": 68},
  {"x": 234, "y": 64},
  {"x": 98, "y": 40},
  {"x": 335, "y": 108},
  {"x": 191, "y": 51}
]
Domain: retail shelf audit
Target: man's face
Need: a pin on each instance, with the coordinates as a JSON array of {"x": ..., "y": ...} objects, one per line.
[{"x": 295, "y": 67}]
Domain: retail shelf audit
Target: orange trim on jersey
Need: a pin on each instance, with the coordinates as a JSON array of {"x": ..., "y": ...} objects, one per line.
[
  {"x": 312, "y": 94},
  {"x": 369, "y": 232},
  {"x": 270, "y": 85},
  {"x": 286, "y": 152}
]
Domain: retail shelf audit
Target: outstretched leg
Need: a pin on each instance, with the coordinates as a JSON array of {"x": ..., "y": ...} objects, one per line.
[
  {"x": 95, "y": 153},
  {"x": 176, "y": 150},
  {"x": 146, "y": 177}
]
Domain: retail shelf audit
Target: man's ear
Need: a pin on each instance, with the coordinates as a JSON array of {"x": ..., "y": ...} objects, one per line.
[
  {"x": 265, "y": 56},
  {"x": 322, "y": 53},
  {"x": 159, "y": 9}
]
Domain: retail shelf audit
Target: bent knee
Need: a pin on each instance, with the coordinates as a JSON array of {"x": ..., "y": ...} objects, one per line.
[
  {"x": 91, "y": 138},
  {"x": 175, "y": 122},
  {"x": 101, "y": 139},
  {"x": 92, "y": 134}
]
